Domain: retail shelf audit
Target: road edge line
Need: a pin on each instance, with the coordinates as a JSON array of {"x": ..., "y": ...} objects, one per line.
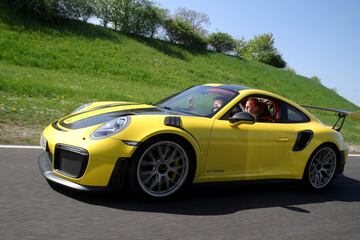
[{"x": 20, "y": 146}]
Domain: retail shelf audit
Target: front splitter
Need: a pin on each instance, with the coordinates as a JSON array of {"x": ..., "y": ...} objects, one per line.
[{"x": 46, "y": 170}]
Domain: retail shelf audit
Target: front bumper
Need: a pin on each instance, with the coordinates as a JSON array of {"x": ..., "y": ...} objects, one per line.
[
  {"x": 46, "y": 170},
  {"x": 77, "y": 161}
]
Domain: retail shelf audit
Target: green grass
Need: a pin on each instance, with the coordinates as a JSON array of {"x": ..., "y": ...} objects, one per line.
[{"x": 47, "y": 70}]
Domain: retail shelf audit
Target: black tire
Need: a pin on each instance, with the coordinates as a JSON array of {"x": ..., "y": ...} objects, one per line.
[
  {"x": 166, "y": 161},
  {"x": 321, "y": 167}
]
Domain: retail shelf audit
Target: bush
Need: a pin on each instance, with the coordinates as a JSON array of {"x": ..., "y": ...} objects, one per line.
[
  {"x": 51, "y": 9},
  {"x": 316, "y": 79},
  {"x": 181, "y": 32},
  {"x": 262, "y": 49},
  {"x": 290, "y": 70},
  {"x": 276, "y": 60},
  {"x": 38, "y": 8},
  {"x": 222, "y": 42}
]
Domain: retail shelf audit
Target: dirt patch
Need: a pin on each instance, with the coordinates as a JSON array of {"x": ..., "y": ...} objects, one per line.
[
  {"x": 354, "y": 149},
  {"x": 11, "y": 133}
]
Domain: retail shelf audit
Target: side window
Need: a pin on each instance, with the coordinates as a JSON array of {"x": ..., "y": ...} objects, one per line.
[
  {"x": 263, "y": 108},
  {"x": 232, "y": 112},
  {"x": 292, "y": 115}
]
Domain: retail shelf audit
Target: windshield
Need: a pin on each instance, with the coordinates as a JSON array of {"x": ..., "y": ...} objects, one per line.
[{"x": 199, "y": 100}]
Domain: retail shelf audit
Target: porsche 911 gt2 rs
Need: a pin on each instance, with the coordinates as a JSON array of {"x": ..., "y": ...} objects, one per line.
[{"x": 202, "y": 134}]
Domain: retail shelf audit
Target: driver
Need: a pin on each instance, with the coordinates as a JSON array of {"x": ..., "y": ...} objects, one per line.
[
  {"x": 259, "y": 110},
  {"x": 253, "y": 106}
]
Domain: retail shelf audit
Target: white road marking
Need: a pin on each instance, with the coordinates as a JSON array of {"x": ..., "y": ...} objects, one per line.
[
  {"x": 38, "y": 147},
  {"x": 20, "y": 146}
]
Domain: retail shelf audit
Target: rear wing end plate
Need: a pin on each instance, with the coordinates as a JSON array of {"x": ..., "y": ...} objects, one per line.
[{"x": 342, "y": 114}]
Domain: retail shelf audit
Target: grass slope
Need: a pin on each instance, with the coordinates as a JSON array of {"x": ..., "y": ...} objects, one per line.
[{"x": 46, "y": 71}]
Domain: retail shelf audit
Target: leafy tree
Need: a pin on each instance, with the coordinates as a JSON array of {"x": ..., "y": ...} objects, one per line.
[
  {"x": 85, "y": 9},
  {"x": 261, "y": 48},
  {"x": 182, "y": 32},
  {"x": 121, "y": 14},
  {"x": 137, "y": 16},
  {"x": 76, "y": 9},
  {"x": 222, "y": 42},
  {"x": 147, "y": 19},
  {"x": 240, "y": 45},
  {"x": 104, "y": 11},
  {"x": 197, "y": 20}
]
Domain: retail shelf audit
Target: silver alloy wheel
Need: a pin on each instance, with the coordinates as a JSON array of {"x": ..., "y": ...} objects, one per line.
[
  {"x": 322, "y": 167},
  {"x": 162, "y": 168}
]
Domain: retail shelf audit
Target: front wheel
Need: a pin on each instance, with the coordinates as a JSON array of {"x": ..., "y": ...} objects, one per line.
[
  {"x": 320, "y": 170},
  {"x": 161, "y": 168}
]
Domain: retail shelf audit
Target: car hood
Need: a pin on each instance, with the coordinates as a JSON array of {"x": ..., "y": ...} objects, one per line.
[{"x": 102, "y": 112}]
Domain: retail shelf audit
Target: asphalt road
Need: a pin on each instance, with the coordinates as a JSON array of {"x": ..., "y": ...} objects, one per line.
[{"x": 31, "y": 209}]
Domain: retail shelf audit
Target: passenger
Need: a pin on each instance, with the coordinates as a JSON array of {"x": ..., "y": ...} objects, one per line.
[
  {"x": 191, "y": 103},
  {"x": 218, "y": 102}
]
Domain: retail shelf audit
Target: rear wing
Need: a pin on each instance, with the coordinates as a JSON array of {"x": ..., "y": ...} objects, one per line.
[{"x": 342, "y": 114}]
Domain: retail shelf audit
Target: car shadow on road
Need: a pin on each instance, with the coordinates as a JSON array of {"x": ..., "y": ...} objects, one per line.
[{"x": 227, "y": 198}]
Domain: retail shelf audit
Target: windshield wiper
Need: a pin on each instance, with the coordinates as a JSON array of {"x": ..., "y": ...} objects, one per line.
[
  {"x": 180, "y": 111},
  {"x": 168, "y": 108}
]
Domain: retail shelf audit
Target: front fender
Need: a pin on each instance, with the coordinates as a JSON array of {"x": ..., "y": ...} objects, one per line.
[{"x": 196, "y": 131}]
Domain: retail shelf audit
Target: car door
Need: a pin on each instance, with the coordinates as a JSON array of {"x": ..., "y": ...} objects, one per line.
[
  {"x": 248, "y": 148},
  {"x": 252, "y": 149}
]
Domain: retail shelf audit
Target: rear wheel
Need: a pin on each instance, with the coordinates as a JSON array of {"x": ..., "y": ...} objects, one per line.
[
  {"x": 321, "y": 167},
  {"x": 161, "y": 168}
]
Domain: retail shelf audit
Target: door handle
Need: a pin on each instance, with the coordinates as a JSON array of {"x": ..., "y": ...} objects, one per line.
[{"x": 282, "y": 139}]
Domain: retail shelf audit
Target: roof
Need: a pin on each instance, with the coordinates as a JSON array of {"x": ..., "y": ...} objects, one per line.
[{"x": 233, "y": 87}]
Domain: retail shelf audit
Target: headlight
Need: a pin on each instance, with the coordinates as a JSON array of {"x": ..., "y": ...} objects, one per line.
[
  {"x": 81, "y": 108},
  {"x": 110, "y": 128}
]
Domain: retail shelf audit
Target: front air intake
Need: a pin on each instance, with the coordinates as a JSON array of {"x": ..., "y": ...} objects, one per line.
[{"x": 70, "y": 161}]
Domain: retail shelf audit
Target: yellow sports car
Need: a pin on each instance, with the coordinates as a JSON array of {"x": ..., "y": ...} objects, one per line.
[{"x": 206, "y": 133}]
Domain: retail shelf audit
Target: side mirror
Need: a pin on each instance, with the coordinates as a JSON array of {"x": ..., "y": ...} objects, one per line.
[{"x": 242, "y": 117}]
